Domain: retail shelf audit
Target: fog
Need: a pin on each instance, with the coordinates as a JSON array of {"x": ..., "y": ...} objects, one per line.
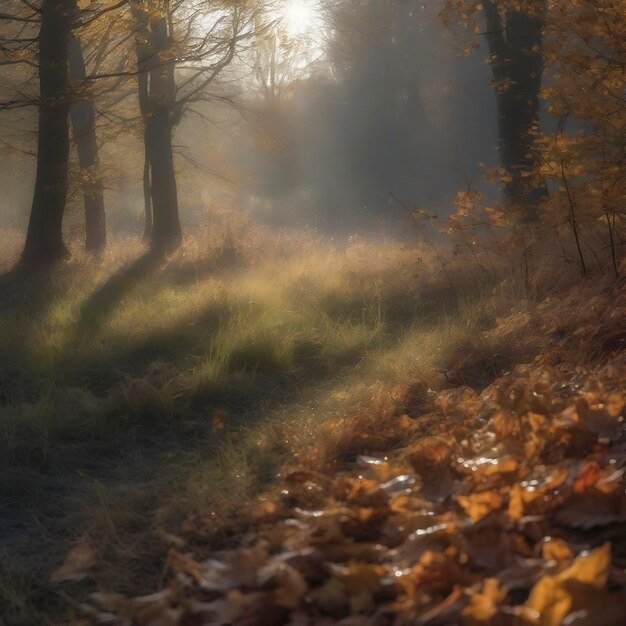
[{"x": 372, "y": 109}]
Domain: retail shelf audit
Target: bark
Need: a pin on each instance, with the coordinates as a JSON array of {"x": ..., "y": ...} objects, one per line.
[
  {"x": 157, "y": 101},
  {"x": 143, "y": 52},
  {"x": 166, "y": 231},
  {"x": 44, "y": 239},
  {"x": 147, "y": 190},
  {"x": 83, "y": 118},
  {"x": 515, "y": 44}
]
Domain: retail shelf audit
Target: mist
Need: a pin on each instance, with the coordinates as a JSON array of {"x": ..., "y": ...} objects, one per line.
[
  {"x": 312, "y": 312},
  {"x": 405, "y": 117},
  {"x": 367, "y": 115}
]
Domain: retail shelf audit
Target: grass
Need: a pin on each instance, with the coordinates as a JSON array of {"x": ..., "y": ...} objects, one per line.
[{"x": 135, "y": 394}]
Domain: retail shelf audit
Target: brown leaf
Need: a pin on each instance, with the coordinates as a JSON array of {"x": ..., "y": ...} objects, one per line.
[
  {"x": 82, "y": 557},
  {"x": 483, "y": 605},
  {"x": 587, "y": 477},
  {"x": 429, "y": 453},
  {"x": 479, "y": 505},
  {"x": 592, "y": 509},
  {"x": 185, "y": 564},
  {"x": 553, "y": 598},
  {"x": 505, "y": 424},
  {"x": 290, "y": 584}
]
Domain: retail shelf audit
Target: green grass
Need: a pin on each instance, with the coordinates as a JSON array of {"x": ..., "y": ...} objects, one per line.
[{"x": 113, "y": 371}]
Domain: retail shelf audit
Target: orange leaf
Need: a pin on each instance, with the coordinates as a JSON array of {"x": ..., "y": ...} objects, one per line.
[
  {"x": 80, "y": 558},
  {"x": 588, "y": 476},
  {"x": 479, "y": 505}
]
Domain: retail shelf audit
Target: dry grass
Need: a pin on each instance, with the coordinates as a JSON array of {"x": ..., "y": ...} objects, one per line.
[{"x": 136, "y": 395}]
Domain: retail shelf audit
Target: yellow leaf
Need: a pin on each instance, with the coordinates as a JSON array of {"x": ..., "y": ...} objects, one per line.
[
  {"x": 80, "y": 558},
  {"x": 516, "y": 502},
  {"x": 549, "y": 603},
  {"x": 590, "y": 569},
  {"x": 553, "y": 598},
  {"x": 483, "y": 606},
  {"x": 556, "y": 550},
  {"x": 479, "y": 505}
]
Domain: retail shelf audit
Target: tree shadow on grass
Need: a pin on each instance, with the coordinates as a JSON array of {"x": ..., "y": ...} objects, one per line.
[
  {"x": 175, "y": 345},
  {"x": 127, "y": 442},
  {"x": 24, "y": 298},
  {"x": 138, "y": 450},
  {"x": 222, "y": 261},
  {"x": 110, "y": 456},
  {"x": 105, "y": 299},
  {"x": 26, "y": 291}
]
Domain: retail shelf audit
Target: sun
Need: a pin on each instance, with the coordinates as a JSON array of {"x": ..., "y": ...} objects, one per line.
[{"x": 299, "y": 17}]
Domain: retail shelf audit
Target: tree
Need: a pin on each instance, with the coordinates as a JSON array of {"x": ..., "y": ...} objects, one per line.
[
  {"x": 173, "y": 73},
  {"x": 60, "y": 70},
  {"x": 574, "y": 164},
  {"x": 514, "y": 33},
  {"x": 142, "y": 50},
  {"x": 83, "y": 119},
  {"x": 44, "y": 239},
  {"x": 157, "y": 98},
  {"x": 584, "y": 159}
]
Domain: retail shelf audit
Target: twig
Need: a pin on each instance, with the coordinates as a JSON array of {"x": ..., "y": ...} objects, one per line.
[{"x": 572, "y": 207}]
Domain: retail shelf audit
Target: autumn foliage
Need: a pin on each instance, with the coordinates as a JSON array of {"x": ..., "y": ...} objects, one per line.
[
  {"x": 575, "y": 156},
  {"x": 489, "y": 492},
  {"x": 506, "y": 507}
]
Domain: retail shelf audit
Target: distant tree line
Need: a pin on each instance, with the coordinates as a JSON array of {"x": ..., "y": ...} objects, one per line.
[{"x": 558, "y": 73}]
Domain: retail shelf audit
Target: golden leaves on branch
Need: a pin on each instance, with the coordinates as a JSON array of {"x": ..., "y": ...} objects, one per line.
[{"x": 578, "y": 157}]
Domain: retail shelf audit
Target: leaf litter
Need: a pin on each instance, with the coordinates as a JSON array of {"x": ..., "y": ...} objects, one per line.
[{"x": 507, "y": 509}]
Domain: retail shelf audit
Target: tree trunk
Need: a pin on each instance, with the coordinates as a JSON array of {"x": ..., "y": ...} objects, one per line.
[
  {"x": 83, "y": 117},
  {"x": 44, "y": 239},
  {"x": 147, "y": 190},
  {"x": 515, "y": 44},
  {"x": 144, "y": 54},
  {"x": 166, "y": 231}
]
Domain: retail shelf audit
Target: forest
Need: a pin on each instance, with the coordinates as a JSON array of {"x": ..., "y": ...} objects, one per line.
[{"x": 313, "y": 312}]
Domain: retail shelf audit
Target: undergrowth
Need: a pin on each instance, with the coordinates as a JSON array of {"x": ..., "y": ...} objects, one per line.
[{"x": 137, "y": 395}]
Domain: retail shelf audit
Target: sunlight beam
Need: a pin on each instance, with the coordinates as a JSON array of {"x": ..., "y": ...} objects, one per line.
[{"x": 299, "y": 17}]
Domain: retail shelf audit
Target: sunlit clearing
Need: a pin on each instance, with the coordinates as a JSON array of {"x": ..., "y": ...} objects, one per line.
[{"x": 299, "y": 17}]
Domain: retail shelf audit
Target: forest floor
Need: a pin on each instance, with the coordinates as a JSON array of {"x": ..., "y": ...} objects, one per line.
[{"x": 145, "y": 405}]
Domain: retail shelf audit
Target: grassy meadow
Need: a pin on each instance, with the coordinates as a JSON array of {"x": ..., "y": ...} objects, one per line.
[{"x": 138, "y": 394}]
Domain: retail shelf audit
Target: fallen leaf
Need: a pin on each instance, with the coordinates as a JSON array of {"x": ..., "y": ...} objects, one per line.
[
  {"x": 553, "y": 598},
  {"x": 479, "y": 505},
  {"x": 81, "y": 558},
  {"x": 587, "y": 477},
  {"x": 556, "y": 550},
  {"x": 483, "y": 605}
]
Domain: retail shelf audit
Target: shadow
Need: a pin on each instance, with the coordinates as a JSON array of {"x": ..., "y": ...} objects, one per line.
[
  {"x": 101, "y": 303},
  {"x": 225, "y": 260},
  {"x": 25, "y": 295},
  {"x": 129, "y": 448},
  {"x": 134, "y": 451},
  {"x": 188, "y": 339},
  {"x": 27, "y": 289}
]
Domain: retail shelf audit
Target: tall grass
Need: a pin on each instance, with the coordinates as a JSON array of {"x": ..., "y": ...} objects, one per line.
[{"x": 138, "y": 393}]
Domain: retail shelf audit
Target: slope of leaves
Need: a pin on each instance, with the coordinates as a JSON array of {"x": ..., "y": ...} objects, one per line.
[{"x": 507, "y": 508}]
